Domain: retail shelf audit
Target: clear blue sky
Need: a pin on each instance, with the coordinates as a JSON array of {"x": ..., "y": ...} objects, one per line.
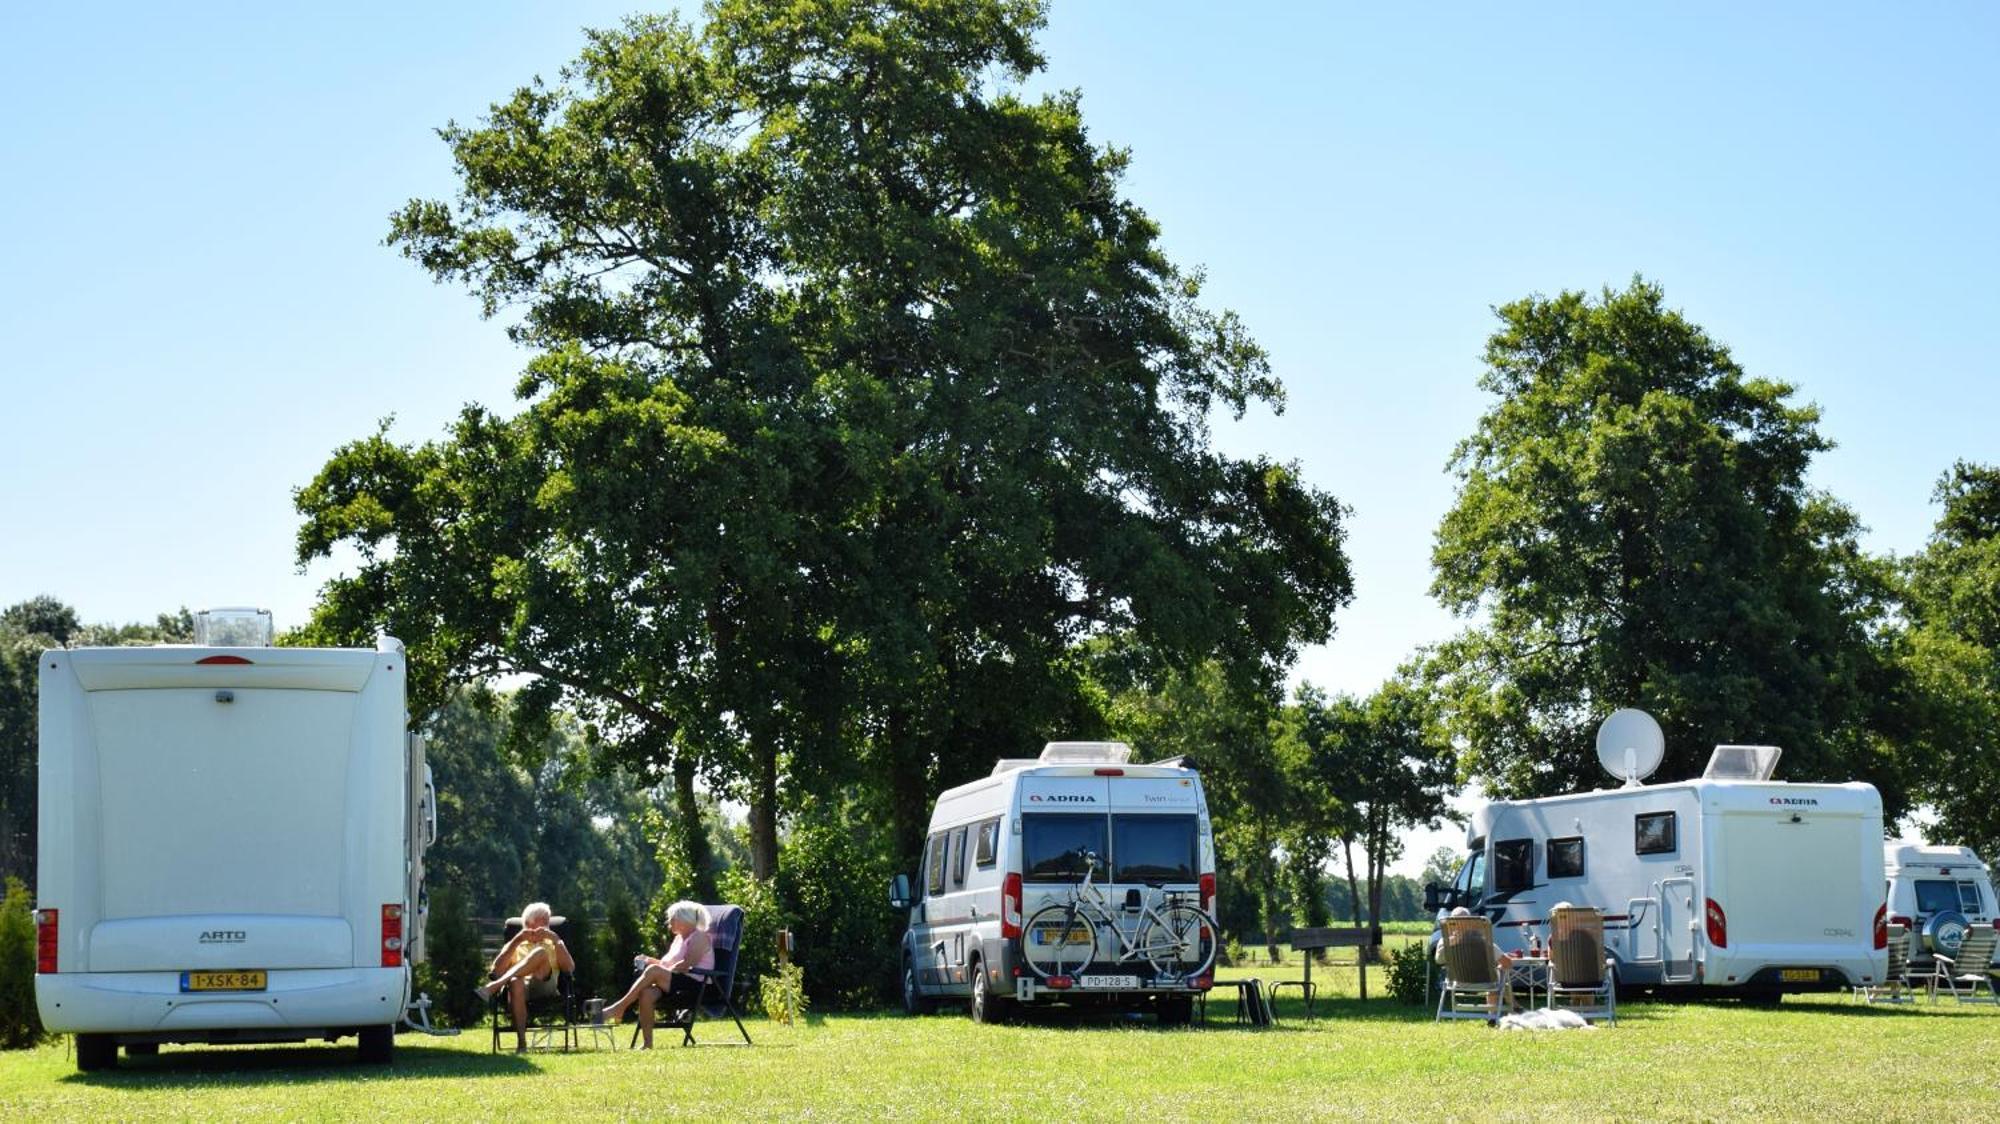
[{"x": 196, "y": 307}]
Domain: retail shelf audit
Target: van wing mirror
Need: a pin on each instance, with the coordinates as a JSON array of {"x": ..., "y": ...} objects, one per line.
[
  {"x": 1433, "y": 897},
  {"x": 899, "y": 892}
]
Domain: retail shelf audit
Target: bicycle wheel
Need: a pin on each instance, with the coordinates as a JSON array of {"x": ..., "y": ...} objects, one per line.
[
  {"x": 1058, "y": 941},
  {"x": 1181, "y": 942}
]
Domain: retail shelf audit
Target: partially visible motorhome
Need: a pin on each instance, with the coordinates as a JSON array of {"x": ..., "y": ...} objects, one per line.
[
  {"x": 1731, "y": 881},
  {"x": 231, "y": 842},
  {"x": 1936, "y": 893},
  {"x": 1003, "y": 847}
]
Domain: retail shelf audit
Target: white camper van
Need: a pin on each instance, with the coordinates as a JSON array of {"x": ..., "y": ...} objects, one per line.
[
  {"x": 1080, "y": 820},
  {"x": 1731, "y": 881},
  {"x": 1936, "y": 893},
  {"x": 231, "y": 843}
]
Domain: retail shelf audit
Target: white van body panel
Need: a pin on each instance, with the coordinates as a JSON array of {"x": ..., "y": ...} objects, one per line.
[
  {"x": 228, "y": 816},
  {"x": 957, "y": 930},
  {"x": 1794, "y": 869}
]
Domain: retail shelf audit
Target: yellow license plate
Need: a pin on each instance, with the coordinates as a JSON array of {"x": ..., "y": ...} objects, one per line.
[
  {"x": 223, "y": 981},
  {"x": 1054, "y": 935},
  {"x": 1799, "y": 975}
]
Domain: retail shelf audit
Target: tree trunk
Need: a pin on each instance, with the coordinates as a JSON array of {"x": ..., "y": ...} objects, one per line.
[
  {"x": 764, "y": 809},
  {"x": 693, "y": 834},
  {"x": 1267, "y": 892},
  {"x": 909, "y": 791}
]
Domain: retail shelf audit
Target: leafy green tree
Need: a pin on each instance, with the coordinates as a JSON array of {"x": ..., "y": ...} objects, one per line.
[
  {"x": 1953, "y": 652},
  {"x": 20, "y": 1019},
  {"x": 861, "y": 395},
  {"x": 1634, "y": 527},
  {"x": 1441, "y": 867}
]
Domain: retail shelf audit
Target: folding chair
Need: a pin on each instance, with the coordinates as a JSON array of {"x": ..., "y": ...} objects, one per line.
[
  {"x": 1964, "y": 974},
  {"x": 1895, "y": 986},
  {"x": 718, "y": 984},
  {"x": 551, "y": 1008},
  {"x": 1581, "y": 978},
  {"x": 1472, "y": 987}
]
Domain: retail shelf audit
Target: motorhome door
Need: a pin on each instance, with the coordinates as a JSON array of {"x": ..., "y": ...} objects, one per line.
[{"x": 1678, "y": 919}]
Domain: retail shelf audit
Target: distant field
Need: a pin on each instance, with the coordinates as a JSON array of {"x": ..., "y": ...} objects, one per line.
[{"x": 1805, "y": 1059}]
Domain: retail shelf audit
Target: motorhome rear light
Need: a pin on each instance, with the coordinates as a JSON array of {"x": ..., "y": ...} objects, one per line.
[
  {"x": 45, "y": 941},
  {"x": 1718, "y": 925},
  {"x": 1905, "y": 922},
  {"x": 1882, "y": 927},
  {"x": 1010, "y": 906},
  {"x": 1208, "y": 892},
  {"x": 1108, "y": 772},
  {"x": 1061, "y": 983},
  {"x": 392, "y": 935},
  {"x": 222, "y": 660},
  {"x": 1204, "y": 983}
]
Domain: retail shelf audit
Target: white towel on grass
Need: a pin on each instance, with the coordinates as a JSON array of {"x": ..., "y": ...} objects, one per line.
[{"x": 1546, "y": 1019}]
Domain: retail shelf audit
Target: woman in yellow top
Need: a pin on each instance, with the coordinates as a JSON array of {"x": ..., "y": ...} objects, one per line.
[{"x": 528, "y": 962}]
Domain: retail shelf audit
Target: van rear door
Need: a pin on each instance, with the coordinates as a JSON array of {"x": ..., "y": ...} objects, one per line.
[{"x": 1794, "y": 887}]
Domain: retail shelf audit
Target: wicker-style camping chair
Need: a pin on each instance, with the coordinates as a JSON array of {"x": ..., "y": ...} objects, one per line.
[
  {"x": 1472, "y": 987},
  {"x": 1581, "y": 977}
]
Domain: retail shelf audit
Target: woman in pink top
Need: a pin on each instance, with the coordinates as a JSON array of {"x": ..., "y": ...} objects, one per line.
[{"x": 666, "y": 980}]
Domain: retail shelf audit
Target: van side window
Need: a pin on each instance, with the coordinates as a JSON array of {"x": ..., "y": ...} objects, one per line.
[
  {"x": 1513, "y": 865},
  {"x": 1052, "y": 846},
  {"x": 1566, "y": 858},
  {"x": 934, "y": 864},
  {"x": 1653, "y": 834},
  {"x": 989, "y": 834},
  {"x": 958, "y": 856}
]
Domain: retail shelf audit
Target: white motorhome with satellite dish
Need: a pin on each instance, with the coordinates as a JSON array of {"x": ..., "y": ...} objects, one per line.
[
  {"x": 1074, "y": 878},
  {"x": 1730, "y": 881},
  {"x": 231, "y": 842}
]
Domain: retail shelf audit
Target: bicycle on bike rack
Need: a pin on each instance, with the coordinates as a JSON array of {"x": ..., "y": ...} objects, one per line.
[{"x": 1176, "y": 939}]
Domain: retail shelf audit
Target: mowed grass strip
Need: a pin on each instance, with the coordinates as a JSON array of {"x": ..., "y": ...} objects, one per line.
[{"x": 1819, "y": 1057}]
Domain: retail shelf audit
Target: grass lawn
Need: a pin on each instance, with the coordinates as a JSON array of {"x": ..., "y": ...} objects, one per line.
[{"x": 1820, "y": 1057}]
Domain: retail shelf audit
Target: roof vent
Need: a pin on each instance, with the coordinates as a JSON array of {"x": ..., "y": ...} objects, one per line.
[
  {"x": 1086, "y": 753},
  {"x": 233, "y": 628},
  {"x": 1742, "y": 763}
]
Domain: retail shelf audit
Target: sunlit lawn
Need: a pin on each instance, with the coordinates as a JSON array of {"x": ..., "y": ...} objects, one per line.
[{"x": 1822, "y": 1057}]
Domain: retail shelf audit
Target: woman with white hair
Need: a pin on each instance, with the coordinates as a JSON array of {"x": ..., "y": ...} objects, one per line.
[
  {"x": 528, "y": 962},
  {"x": 666, "y": 981}
]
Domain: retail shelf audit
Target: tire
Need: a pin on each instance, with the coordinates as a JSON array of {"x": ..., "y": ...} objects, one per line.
[
  {"x": 986, "y": 1007},
  {"x": 377, "y": 1045},
  {"x": 914, "y": 1002},
  {"x": 1181, "y": 943},
  {"x": 1064, "y": 956},
  {"x": 95, "y": 1052},
  {"x": 142, "y": 1049},
  {"x": 1176, "y": 1010}
]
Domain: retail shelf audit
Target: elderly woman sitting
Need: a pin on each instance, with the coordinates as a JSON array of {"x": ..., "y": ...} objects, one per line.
[
  {"x": 666, "y": 981},
  {"x": 526, "y": 964}
]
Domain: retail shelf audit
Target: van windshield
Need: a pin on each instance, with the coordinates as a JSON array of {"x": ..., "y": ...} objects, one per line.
[
  {"x": 1052, "y": 846},
  {"x": 1153, "y": 848}
]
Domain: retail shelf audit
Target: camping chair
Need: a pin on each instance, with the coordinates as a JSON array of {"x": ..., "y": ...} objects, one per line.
[
  {"x": 551, "y": 1006},
  {"x": 1975, "y": 952},
  {"x": 1895, "y": 986},
  {"x": 1472, "y": 988},
  {"x": 718, "y": 990},
  {"x": 1580, "y": 975}
]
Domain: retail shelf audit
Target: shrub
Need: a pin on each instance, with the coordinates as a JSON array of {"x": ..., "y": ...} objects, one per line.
[
  {"x": 1409, "y": 971},
  {"x": 757, "y": 956},
  {"x": 455, "y": 965},
  {"x": 783, "y": 994},
  {"x": 831, "y": 887},
  {"x": 20, "y": 1022}
]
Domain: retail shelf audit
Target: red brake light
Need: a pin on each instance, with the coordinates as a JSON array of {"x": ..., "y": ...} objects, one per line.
[
  {"x": 1718, "y": 926},
  {"x": 1010, "y": 906},
  {"x": 221, "y": 659},
  {"x": 392, "y": 935},
  {"x": 1905, "y": 922},
  {"x": 1061, "y": 983},
  {"x": 1204, "y": 983},
  {"x": 1208, "y": 893},
  {"x": 1882, "y": 927},
  {"x": 1109, "y": 772},
  {"x": 45, "y": 941}
]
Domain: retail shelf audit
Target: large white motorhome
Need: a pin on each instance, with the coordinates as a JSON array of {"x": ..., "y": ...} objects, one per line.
[
  {"x": 1731, "y": 881},
  {"x": 1004, "y": 846},
  {"x": 231, "y": 843},
  {"x": 1936, "y": 893}
]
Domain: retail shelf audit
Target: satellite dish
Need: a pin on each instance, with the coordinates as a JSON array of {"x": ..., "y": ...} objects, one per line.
[{"x": 1630, "y": 745}]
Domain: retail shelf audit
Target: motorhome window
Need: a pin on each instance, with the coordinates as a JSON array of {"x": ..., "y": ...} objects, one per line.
[
  {"x": 1153, "y": 849},
  {"x": 1968, "y": 897},
  {"x": 934, "y": 864},
  {"x": 1052, "y": 846},
  {"x": 1653, "y": 834},
  {"x": 1566, "y": 858},
  {"x": 989, "y": 834},
  {"x": 958, "y": 857},
  {"x": 1935, "y": 895},
  {"x": 1513, "y": 865}
]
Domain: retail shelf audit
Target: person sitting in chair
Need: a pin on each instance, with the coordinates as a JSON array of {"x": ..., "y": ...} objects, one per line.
[
  {"x": 666, "y": 981},
  {"x": 527, "y": 965},
  {"x": 1503, "y": 963}
]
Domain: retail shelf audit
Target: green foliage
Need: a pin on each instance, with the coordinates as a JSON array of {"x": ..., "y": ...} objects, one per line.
[
  {"x": 832, "y": 886},
  {"x": 20, "y": 1021},
  {"x": 454, "y": 963},
  {"x": 757, "y": 956},
  {"x": 1409, "y": 970},
  {"x": 782, "y": 994},
  {"x": 1634, "y": 526},
  {"x": 618, "y": 940}
]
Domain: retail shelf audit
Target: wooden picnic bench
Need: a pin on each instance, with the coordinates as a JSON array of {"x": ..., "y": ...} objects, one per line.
[{"x": 1312, "y": 939}]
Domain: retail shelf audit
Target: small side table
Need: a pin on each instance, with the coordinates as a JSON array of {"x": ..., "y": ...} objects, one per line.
[{"x": 1530, "y": 974}]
